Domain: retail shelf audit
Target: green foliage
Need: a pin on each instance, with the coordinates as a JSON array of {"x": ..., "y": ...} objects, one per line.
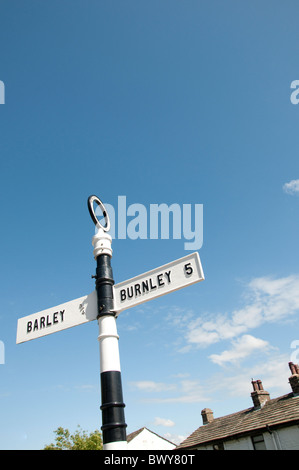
[{"x": 80, "y": 440}]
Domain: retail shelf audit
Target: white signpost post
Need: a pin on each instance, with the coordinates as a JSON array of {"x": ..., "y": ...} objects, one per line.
[{"x": 105, "y": 304}]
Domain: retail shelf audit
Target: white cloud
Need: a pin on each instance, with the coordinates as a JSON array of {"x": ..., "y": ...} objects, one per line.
[
  {"x": 273, "y": 372},
  {"x": 186, "y": 391},
  {"x": 151, "y": 386},
  {"x": 292, "y": 187},
  {"x": 168, "y": 423},
  {"x": 175, "y": 438},
  {"x": 268, "y": 300},
  {"x": 242, "y": 347},
  {"x": 183, "y": 375}
]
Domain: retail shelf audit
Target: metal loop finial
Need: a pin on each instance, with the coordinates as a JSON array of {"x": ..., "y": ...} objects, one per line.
[{"x": 90, "y": 202}]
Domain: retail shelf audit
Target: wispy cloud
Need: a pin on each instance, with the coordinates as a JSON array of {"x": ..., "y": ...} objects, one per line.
[
  {"x": 234, "y": 382},
  {"x": 273, "y": 372},
  {"x": 267, "y": 300},
  {"x": 175, "y": 438},
  {"x": 241, "y": 348},
  {"x": 292, "y": 187},
  {"x": 184, "y": 391},
  {"x": 151, "y": 386},
  {"x": 168, "y": 423}
]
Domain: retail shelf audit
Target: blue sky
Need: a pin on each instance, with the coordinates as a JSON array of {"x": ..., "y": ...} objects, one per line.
[{"x": 162, "y": 102}]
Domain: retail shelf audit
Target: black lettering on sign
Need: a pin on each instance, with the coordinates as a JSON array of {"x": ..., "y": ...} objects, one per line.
[
  {"x": 137, "y": 290},
  {"x": 188, "y": 269},
  {"x": 151, "y": 285},
  {"x": 143, "y": 287},
  {"x": 123, "y": 294},
  {"x": 160, "y": 280},
  {"x": 45, "y": 322},
  {"x": 130, "y": 292}
]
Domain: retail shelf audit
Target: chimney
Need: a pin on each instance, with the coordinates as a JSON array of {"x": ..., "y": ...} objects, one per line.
[
  {"x": 207, "y": 416},
  {"x": 294, "y": 379},
  {"x": 259, "y": 395}
]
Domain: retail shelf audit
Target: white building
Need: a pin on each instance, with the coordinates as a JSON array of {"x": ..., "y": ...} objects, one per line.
[
  {"x": 144, "y": 439},
  {"x": 271, "y": 424}
]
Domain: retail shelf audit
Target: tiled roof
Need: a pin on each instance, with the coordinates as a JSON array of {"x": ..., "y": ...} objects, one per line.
[{"x": 275, "y": 412}]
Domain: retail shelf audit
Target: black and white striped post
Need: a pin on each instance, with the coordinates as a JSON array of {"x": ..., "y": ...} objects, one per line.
[{"x": 113, "y": 416}]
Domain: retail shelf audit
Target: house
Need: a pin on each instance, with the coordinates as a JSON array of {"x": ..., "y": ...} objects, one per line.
[
  {"x": 270, "y": 424},
  {"x": 144, "y": 439}
]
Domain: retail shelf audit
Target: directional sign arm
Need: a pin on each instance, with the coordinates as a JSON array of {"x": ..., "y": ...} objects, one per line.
[
  {"x": 160, "y": 281},
  {"x": 61, "y": 317}
]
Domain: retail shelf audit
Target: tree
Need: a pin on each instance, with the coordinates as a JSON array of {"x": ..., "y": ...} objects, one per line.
[{"x": 80, "y": 440}]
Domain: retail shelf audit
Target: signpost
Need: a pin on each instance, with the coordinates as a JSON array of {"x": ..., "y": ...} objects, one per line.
[{"x": 105, "y": 304}]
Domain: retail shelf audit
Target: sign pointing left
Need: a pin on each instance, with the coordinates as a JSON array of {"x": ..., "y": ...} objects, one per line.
[{"x": 61, "y": 317}]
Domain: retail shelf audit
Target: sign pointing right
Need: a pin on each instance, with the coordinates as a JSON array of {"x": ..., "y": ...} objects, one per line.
[{"x": 157, "y": 282}]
